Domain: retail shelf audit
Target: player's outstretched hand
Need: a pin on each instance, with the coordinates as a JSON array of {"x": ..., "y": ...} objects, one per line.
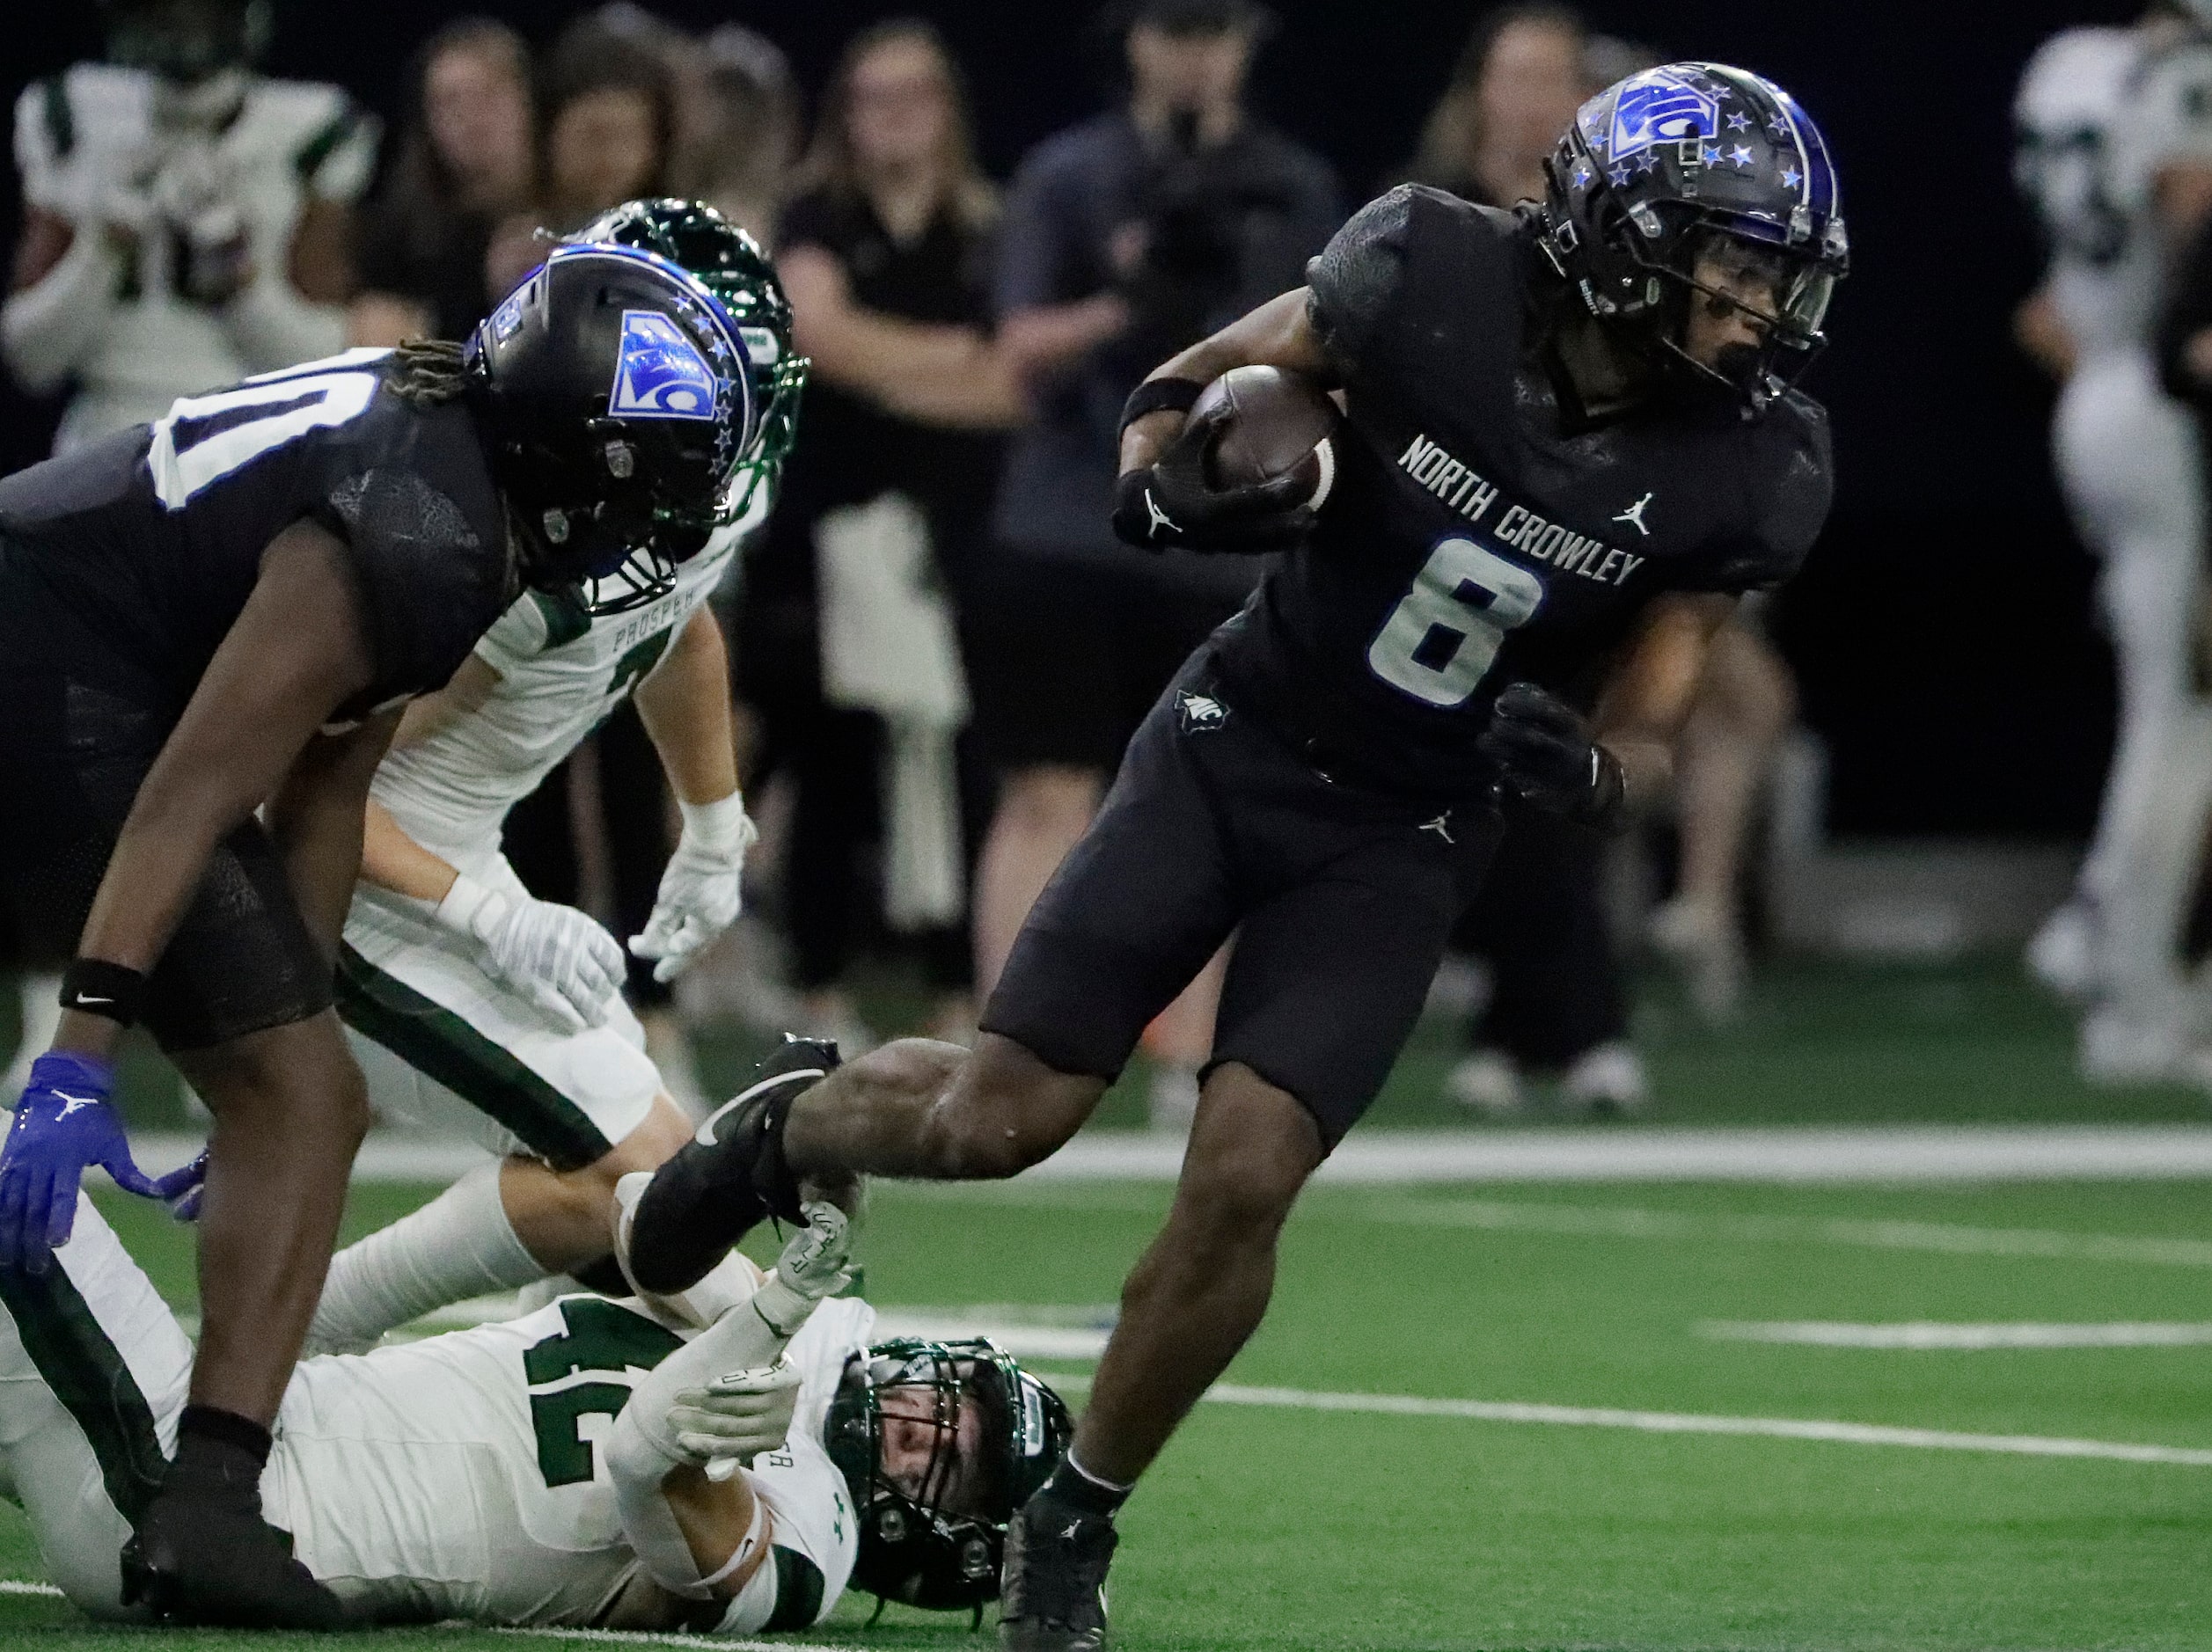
[
  {"x": 812, "y": 1267},
  {"x": 63, "y": 1124},
  {"x": 701, "y": 891},
  {"x": 735, "y": 1418},
  {"x": 559, "y": 958},
  {"x": 1168, "y": 503},
  {"x": 1549, "y": 758}
]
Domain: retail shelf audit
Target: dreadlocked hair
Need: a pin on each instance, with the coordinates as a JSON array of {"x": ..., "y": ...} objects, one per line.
[{"x": 430, "y": 372}]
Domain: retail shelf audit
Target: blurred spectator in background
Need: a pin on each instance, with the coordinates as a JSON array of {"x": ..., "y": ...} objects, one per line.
[
  {"x": 597, "y": 832},
  {"x": 847, "y": 649},
  {"x": 1557, "y": 997},
  {"x": 1518, "y": 83},
  {"x": 751, "y": 127},
  {"x": 186, "y": 224},
  {"x": 1126, "y": 239},
  {"x": 465, "y": 161}
]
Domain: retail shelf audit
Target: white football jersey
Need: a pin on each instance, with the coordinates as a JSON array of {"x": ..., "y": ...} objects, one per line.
[
  {"x": 87, "y": 136},
  {"x": 2166, "y": 118},
  {"x": 2104, "y": 256},
  {"x": 561, "y": 672},
  {"x": 460, "y": 1477}
]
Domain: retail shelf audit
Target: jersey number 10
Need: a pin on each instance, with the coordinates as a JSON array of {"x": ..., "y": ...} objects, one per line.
[
  {"x": 290, "y": 404},
  {"x": 1441, "y": 638}
]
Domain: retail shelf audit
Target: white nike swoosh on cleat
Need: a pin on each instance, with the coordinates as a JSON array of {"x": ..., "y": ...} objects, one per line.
[{"x": 705, "y": 1137}]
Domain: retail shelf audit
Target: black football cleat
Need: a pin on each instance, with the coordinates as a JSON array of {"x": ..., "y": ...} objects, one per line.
[
  {"x": 204, "y": 1555},
  {"x": 1052, "y": 1591},
  {"x": 728, "y": 1178}
]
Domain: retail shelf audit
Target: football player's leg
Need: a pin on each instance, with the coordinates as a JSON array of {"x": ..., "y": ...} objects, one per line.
[
  {"x": 569, "y": 1112},
  {"x": 1131, "y": 917},
  {"x": 1326, "y": 984},
  {"x": 93, "y": 1373}
]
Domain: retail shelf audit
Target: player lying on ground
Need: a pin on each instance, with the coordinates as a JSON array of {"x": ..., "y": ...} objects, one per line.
[
  {"x": 569, "y": 1467},
  {"x": 474, "y": 1007},
  {"x": 221, "y": 613},
  {"x": 1569, "y": 442}
]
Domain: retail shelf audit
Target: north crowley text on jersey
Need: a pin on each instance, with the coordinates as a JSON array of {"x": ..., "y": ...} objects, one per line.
[{"x": 1464, "y": 490}]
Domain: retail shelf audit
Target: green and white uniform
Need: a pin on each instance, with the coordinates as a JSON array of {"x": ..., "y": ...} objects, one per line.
[
  {"x": 441, "y": 1039},
  {"x": 453, "y": 1478}
]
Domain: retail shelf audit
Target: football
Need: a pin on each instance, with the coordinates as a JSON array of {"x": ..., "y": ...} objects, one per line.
[{"x": 1278, "y": 423}]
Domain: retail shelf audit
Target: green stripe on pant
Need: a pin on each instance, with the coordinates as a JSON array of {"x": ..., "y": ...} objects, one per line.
[
  {"x": 88, "y": 1375},
  {"x": 440, "y": 1045}
]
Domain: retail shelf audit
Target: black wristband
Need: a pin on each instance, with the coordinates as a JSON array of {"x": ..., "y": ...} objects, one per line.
[
  {"x": 96, "y": 987},
  {"x": 1159, "y": 395}
]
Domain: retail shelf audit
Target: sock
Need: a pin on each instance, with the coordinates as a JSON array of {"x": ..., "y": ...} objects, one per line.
[
  {"x": 1076, "y": 1486},
  {"x": 219, "y": 1452},
  {"x": 459, "y": 1244}
]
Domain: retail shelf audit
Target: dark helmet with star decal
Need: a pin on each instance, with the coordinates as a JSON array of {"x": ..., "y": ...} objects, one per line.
[
  {"x": 616, "y": 395},
  {"x": 938, "y": 1443},
  {"x": 732, "y": 266},
  {"x": 1688, "y": 162}
]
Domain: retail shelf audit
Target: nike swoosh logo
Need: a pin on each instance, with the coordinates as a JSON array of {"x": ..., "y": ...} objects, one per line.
[
  {"x": 705, "y": 1137},
  {"x": 86, "y": 998}
]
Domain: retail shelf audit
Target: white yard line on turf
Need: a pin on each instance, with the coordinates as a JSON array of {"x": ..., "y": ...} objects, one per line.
[
  {"x": 1660, "y": 1154},
  {"x": 1680, "y": 1422},
  {"x": 18, "y": 1586},
  {"x": 646, "y": 1637},
  {"x": 1915, "y": 1335},
  {"x": 1616, "y": 1222}
]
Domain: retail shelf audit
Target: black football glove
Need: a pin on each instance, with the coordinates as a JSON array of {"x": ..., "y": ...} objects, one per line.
[
  {"x": 1170, "y": 503},
  {"x": 1548, "y": 757}
]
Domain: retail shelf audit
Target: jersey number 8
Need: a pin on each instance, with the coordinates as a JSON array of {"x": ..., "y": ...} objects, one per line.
[{"x": 1442, "y": 637}]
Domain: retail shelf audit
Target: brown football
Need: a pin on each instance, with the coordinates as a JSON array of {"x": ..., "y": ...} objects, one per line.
[{"x": 1278, "y": 423}]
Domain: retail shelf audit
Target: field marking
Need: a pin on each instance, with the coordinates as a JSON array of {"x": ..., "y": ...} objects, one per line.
[
  {"x": 1915, "y": 1335},
  {"x": 1684, "y": 1422},
  {"x": 1610, "y": 1222},
  {"x": 648, "y": 1637},
  {"x": 1872, "y": 1153},
  {"x": 20, "y": 1586}
]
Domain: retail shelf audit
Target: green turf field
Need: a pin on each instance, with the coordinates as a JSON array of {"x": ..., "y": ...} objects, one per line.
[{"x": 1290, "y": 1525}]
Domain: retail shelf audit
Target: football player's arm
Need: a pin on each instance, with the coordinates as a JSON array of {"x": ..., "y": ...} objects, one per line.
[
  {"x": 298, "y": 650},
  {"x": 316, "y": 818},
  {"x": 392, "y": 860},
  {"x": 1648, "y": 694},
  {"x": 935, "y": 373},
  {"x": 2042, "y": 335},
  {"x": 1278, "y": 334},
  {"x": 717, "y": 1519},
  {"x": 63, "y": 290},
  {"x": 684, "y": 704}
]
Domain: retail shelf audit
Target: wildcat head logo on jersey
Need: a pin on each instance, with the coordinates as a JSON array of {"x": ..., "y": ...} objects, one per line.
[
  {"x": 658, "y": 372},
  {"x": 1654, "y": 108}
]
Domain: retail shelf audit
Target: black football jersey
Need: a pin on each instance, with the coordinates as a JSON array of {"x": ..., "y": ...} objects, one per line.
[
  {"x": 154, "y": 536},
  {"x": 1476, "y": 537}
]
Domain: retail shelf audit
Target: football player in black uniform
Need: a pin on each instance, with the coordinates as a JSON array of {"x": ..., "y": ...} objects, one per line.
[
  {"x": 220, "y": 613},
  {"x": 1569, "y": 444}
]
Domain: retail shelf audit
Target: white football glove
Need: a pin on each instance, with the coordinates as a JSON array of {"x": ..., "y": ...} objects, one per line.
[
  {"x": 699, "y": 896},
  {"x": 812, "y": 1267},
  {"x": 554, "y": 955},
  {"x": 735, "y": 1418}
]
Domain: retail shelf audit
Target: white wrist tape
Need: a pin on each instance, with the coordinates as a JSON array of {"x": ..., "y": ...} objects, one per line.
[
  {"x": 470, "y": 909},
  {"x": 721, "y": 825}
]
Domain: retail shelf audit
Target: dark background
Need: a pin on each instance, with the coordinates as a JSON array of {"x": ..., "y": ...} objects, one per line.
[{"x": 1940, "y": 631}]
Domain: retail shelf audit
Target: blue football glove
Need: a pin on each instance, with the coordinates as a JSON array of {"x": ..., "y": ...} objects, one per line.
[{"x": 62, "y": 1124}]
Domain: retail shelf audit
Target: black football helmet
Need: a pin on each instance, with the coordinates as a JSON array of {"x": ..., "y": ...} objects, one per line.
[
  {"x": 914, "y": 1546},
  {"x": 730, "y": 265},
  {"x": 1692, "y": 161},
  {"x": 616, "y": 395}
]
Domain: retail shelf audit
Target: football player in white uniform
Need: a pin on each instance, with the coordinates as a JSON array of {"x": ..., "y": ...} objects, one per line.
[
  {"x": 184, "y": 226},
  {"x": 598, "y": 1463},
  {"x": 2116, "y": 154},
  {"x": 475, "y": 1007}
]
